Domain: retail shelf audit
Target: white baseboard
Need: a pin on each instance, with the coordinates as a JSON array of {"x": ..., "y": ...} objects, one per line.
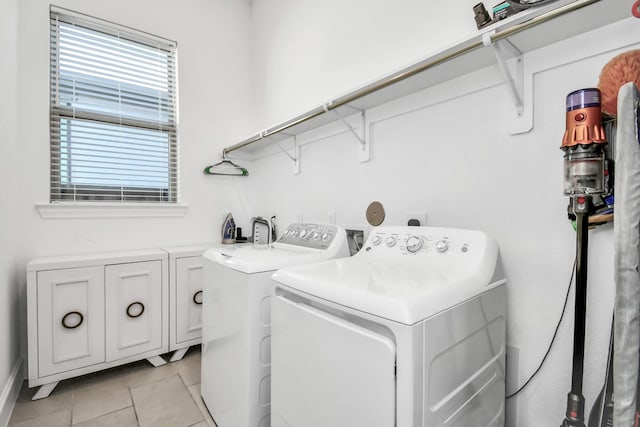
[{"x": 10, "y": 393}]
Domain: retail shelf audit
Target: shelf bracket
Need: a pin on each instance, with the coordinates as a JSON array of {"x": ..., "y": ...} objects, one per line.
[
  {"x": 514, "y": 81},
  {"x": 295, "y": 157},
  {"x": 362, "y": 136}
]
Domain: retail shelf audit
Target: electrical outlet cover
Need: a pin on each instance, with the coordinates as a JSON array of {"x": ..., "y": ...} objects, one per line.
[{"x": 419, "y": 215}]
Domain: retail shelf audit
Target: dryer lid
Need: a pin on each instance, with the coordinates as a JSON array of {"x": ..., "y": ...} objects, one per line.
[{"x": 392, "y": 292}]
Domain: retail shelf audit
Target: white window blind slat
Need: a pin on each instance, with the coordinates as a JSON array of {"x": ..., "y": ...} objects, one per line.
[{"x": 113, "y": 112}]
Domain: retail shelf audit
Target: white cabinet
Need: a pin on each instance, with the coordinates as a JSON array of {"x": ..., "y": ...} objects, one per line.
[
  {"x": 70, "y": 319},
  {"x": 133, "y": 300},
  {"x": 91, "y": 312},
  {"x": 185, "y": 294},
  {"x": 188, "y": 299}
]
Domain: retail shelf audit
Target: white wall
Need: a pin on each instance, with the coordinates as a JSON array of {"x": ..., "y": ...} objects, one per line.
[
  {"x": 9, "y": 235},
  {"x": 445, "y": 151},
  {"x": 321, "y": 49},
  {"x": 213, "y": 58}
]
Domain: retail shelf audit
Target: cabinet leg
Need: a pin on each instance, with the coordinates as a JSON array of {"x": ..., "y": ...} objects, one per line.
[
  {"x": 44, "y": 391},
  {"x": 156, "y": 361},
  {"x": 178, "y": 354}
]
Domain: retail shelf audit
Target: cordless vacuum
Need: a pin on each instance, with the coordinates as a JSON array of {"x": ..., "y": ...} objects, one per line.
[{"x": 584, "y": 177}]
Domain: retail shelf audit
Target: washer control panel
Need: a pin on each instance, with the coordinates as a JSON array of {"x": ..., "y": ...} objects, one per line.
[
  {"x": 421, "y": 240},
  {"x": 316, "y": 236}
]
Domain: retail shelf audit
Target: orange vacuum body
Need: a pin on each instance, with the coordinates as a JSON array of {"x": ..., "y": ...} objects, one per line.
[
  {"x": 584, "y": 119},
  {"x": 583, "y": 144}
]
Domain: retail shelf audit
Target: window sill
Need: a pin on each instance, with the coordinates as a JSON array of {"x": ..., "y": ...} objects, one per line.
[{"x": 109, "y": 210}]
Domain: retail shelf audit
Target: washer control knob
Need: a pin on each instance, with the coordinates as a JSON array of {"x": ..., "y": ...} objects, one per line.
[
  {"x": 316, "y": 236},
  {"x": 294, "y": 233},
  {"x": 326, "y": 237},
  {"x": 376, "y": 240},
  {"x": 442, "y": 246},
  {"x": 414, "y": 244},
  {"x": 303, "y": 234},
  {"x": 391, "y": 241}
]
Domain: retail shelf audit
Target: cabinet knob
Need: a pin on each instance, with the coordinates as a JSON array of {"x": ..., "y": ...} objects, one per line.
[
  {"x": 135, "y": 309},
  {"x": 72, "y": 320},
  {"x": 197, "y": 298}
]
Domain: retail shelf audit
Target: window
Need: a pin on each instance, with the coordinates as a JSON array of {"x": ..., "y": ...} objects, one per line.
[{"x": 113, "y": 112}]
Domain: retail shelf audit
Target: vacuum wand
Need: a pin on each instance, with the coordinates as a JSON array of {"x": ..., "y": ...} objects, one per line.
[{"x": 574, "y": 416}]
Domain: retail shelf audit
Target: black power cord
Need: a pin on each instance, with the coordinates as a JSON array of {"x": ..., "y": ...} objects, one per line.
[{"x": 553, "y": 339}]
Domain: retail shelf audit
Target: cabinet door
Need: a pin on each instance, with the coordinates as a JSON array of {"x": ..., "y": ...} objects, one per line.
[
  {"x": 188, "y": 298},
  {"x": 133, "y": 308},
  {"x": 70, "y": 319}
]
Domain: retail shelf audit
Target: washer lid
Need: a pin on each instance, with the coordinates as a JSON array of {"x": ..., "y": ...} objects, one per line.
[
  {"x": 400, "y": 292},
  {"x": 249, "y": 259}
]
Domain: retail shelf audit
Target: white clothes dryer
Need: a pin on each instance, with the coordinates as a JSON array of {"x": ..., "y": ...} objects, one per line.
[
  {"x": 236, "y": 319},
  {"x": 409, "y": 332}
]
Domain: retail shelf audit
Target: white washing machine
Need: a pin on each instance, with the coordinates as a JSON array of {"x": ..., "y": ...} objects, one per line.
[
  {"x": 236, "y": 319},
  {"x": 408, "y": 332}
]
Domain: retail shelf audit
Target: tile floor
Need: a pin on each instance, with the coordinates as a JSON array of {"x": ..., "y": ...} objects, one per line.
[{"x": 133, "y": 395}]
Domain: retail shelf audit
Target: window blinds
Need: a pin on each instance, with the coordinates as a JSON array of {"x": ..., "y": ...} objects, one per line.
[{"x": 112, "y": 114}]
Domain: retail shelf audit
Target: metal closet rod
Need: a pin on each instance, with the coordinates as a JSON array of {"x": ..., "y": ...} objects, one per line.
[{"x": 410, "y": 72}]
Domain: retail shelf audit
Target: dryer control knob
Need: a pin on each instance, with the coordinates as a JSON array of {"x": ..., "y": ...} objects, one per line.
[
  {"x": 391, "y": 241},
  {"x": 376, "y": 240},
  {"x": 316, "y": 235},
  {"x": 442, "y": 246},
  {"x": 303, "y": 233},
  {"x": 414, "y": 244}
]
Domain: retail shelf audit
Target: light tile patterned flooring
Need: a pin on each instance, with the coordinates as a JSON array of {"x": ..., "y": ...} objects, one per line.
[{"x": 133, "y": 395}]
